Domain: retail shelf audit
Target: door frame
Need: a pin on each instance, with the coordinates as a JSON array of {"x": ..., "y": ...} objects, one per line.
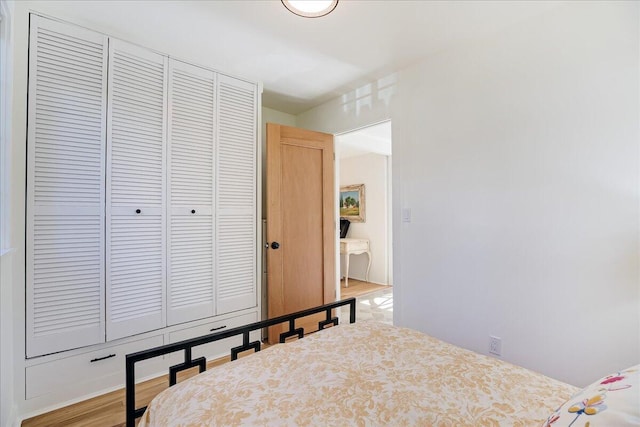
[{"x": 389, "y": 207}]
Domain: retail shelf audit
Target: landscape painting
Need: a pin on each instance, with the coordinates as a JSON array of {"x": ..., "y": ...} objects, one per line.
[{"x": 352, "y": 205}]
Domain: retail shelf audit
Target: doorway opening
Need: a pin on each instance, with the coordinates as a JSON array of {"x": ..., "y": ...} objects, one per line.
[{"x": 363, "y": 189}]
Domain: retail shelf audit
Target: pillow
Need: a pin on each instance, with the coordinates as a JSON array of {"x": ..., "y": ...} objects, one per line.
[{"x": 611, "y": 401}]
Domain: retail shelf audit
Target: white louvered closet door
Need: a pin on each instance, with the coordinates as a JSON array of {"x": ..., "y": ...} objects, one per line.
[
  {"x": 236, "y": 232},
  {"x": 190, "y": 269},
  {"x": 136, "y": 152},
  {"x": 65, "y": 187}
]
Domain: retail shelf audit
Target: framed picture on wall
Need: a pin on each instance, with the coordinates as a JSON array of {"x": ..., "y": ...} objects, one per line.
[{"x": 352, "y": 205}]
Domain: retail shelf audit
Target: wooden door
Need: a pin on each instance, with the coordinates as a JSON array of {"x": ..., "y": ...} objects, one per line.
[{"x": 300, "y": 222}]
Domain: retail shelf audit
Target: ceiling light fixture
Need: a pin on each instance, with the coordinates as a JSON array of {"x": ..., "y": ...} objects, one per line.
[{"x": 310, "y": 8}]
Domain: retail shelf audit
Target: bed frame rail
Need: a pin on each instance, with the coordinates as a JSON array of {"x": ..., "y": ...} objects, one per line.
[{"x": 201, "y": 362}]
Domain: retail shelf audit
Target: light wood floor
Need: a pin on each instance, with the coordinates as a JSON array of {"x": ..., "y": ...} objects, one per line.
[
  {"x": 358, "y": 287},
  {"x": 108, "y": 410}
]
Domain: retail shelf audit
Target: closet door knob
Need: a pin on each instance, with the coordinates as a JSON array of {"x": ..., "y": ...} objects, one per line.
[
  {"x": 138, "y": 211},
  {"x": 193, "y": 211},
  {"x": 275, "y": 245}
]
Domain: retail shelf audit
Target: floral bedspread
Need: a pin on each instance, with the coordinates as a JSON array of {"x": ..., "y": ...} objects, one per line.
[{"x": 366, "y": 374}]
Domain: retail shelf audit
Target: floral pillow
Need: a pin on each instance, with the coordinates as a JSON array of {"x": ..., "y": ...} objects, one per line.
[{"x": 611, "y": 401}]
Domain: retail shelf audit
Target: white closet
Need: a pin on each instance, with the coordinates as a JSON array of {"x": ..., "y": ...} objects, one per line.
[
  {"x": 191, "y": 267},
  {"x": 136, "y": 135},
  {"x": 141, "y": 190},
  {"x": 236, "y": 202},
  {"x": 65, "y": 187}
]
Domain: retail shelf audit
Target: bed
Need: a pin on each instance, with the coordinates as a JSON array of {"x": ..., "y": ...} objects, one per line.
[{"x": 362, "y": 373}]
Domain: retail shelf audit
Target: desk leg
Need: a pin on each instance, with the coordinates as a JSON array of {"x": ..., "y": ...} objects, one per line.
[
  {"x": 366, "y": 277},
  {"x": 346, "y": 270}
]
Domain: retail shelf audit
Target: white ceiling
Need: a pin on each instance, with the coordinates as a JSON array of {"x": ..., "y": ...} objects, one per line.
[{"x": 302, "y": 62}]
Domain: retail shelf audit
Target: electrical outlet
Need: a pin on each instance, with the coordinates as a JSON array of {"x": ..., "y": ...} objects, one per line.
[{"x": 495, "y": 345}]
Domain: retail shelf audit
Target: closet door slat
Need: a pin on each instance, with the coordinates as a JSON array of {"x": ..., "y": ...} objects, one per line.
[
  {"x": 236, "y": 229},
  {"x": 65, "y": 187},
  {"x": 190, "y": 269},
  {"x": 136, "y": 191}
]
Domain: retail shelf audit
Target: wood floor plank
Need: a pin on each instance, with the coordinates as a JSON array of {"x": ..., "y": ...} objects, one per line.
[{"x": 359, "y": 287}]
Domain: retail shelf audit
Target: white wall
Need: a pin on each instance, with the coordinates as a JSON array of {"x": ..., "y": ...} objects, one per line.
[
  {"x": 13, "y": 137},
  {"x": 269, "y": 115},
  {"x": 370, "y": 170},
  {"x": 518, "y": 156},
  {"x": 7, "y": 393},
  {"x": 7, "y": 397},
  {"x": 369, "y": 104}
]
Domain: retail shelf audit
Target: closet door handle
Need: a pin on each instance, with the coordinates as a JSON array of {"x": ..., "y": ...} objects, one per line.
[
  {"x": 193, "y": 211},
  {"x": 138, "y": 211},
  {"x": 97, "y": 359}
]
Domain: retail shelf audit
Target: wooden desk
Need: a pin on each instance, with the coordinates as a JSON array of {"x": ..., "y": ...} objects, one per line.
[{"x": 354, "y": 247}]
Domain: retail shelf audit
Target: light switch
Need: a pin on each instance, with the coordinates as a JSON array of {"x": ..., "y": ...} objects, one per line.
[{"x": 406, "y": 215}]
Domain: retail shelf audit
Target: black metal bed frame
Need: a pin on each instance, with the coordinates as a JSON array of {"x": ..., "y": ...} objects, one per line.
[{"x": 201, "y": 362}]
